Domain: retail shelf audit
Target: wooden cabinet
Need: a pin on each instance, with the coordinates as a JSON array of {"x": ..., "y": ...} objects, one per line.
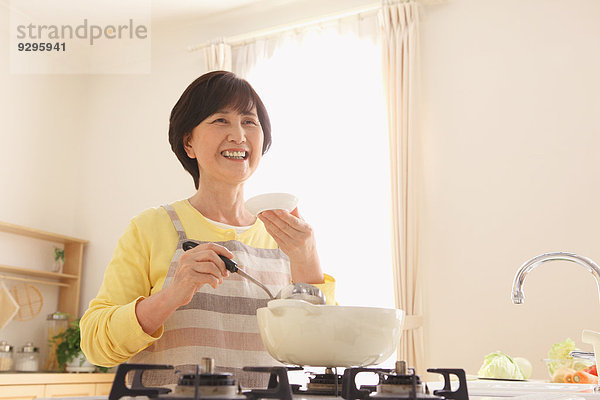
[
  {"x": 68, "y": 282},
  {"x": 70, "y": 390},
  {"x": 14, "y": 392},
  {"x": 103, "y": 389},
  {"x": 31, "y": 386}
]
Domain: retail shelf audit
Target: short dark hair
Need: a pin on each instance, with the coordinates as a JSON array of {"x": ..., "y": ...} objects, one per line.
[{"x": 205, "y": 96}]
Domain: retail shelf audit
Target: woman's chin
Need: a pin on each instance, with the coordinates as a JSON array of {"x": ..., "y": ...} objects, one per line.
[{"x": 236, "y": 179}]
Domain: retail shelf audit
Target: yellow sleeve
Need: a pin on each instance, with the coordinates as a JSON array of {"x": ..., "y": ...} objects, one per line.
[
  {"x": 328, "y": 289},
  {"x": 110, "y": 331}
]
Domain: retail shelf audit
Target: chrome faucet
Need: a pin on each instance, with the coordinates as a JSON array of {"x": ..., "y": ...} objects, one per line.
[{"x": 517, "y": 290}]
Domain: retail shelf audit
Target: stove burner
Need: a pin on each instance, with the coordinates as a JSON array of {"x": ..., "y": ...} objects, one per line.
[
  {"x": 394, "y": 384},
  {"x": 221, "y": 385},
  {"x": 225, "y": 379},
  {"x": 400, "y": 380},
  {"x": 327, "y": 384}
]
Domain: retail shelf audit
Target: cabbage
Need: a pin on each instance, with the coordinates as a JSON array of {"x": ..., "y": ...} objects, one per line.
[
  {"x": 558, "y": 357},
  {"x": 524, "y": 365},
  {"x": 500, "y": 366}
]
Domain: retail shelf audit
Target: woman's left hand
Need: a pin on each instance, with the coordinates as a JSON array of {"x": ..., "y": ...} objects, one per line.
[{"x": 296, "y": 239}]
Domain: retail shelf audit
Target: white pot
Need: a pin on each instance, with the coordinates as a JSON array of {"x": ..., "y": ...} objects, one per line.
[
  {"x": 80, "y": 364},
  {"x": 299, "y": 333}
]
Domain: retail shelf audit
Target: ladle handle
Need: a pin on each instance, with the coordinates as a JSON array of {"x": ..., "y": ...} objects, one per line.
[{"x": 229, "y": 263}]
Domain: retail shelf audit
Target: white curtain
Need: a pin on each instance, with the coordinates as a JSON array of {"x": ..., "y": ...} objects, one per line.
[
  {"x": 218, "y": 56},
  {"x": 399, "y": 34},
  {"x": 249, "y": 55},
  {"x": 254, "y": 53}
]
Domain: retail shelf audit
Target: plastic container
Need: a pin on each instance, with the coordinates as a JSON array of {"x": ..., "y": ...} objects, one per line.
[
  {"x": 6, "y": 356},
  {"x": 56, "y": 323},
  {"x": 27, "y": 358}
]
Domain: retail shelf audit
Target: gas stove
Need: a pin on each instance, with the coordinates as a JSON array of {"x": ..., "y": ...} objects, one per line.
[{"x": 399, "y": 383}]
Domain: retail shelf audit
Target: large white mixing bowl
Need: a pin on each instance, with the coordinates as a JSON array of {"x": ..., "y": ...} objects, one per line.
[{"x": 299, "y": 333}]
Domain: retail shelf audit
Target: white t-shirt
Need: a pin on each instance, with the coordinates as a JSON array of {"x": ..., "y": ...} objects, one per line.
[{"x": 237, "y": 229}]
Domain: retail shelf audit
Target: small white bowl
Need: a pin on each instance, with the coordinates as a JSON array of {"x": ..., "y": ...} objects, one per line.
[{"x": 271, "y": 201}]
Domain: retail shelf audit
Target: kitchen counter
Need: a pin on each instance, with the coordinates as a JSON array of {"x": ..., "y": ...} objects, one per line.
[
  {"x": 484, "y": 389},
  {"x": 478, "y": 389}
]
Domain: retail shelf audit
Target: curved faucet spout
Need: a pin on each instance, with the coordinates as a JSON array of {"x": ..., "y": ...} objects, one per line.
[{"x": 517, "y": 290}]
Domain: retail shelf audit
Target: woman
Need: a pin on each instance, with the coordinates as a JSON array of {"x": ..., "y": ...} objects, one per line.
[{"x": 161, "y": 305}]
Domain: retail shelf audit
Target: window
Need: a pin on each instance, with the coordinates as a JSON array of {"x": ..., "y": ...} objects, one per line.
[{"x": 323, "y": 91}]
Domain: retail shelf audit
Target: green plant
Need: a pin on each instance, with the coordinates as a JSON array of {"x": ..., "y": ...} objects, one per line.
[
  {"x": 59, "y": 254},
  {"x": 69, "y": 345}
]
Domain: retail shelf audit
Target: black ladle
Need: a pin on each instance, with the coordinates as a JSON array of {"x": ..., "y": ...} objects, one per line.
[{"x": 302, "y": 291}]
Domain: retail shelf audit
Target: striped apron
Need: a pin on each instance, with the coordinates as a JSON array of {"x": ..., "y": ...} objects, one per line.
[{"x": 218, "y": 323}]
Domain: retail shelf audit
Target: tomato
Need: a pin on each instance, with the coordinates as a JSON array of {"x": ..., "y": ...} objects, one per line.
[{"x": 592, "y": 370}]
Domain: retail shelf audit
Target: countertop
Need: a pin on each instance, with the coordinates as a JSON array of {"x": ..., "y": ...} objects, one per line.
[{"x": 479, "y": 390}]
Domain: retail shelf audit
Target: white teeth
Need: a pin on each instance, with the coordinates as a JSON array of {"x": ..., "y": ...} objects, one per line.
[{"x": 236, "y": 155}]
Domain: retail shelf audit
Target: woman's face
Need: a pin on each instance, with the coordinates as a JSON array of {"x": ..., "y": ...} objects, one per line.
[{"x": 227, "y": 146}]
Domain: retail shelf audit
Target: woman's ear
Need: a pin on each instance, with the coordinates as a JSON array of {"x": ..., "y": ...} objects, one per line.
[{"x": 189, "y": 150}]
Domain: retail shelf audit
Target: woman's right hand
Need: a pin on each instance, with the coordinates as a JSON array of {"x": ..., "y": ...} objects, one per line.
[{"x": 198, "y": 267}]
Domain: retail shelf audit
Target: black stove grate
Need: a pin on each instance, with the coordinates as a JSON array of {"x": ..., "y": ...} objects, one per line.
[
  {"x": 119, "y": 387},
  {"x": 279, "y": 387},
  {"x": 388, "y": 376}
]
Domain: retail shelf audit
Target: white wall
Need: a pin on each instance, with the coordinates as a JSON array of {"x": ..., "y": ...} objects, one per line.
[
  {"x": 511, "y": 99},
  {"x": 41, "y": 124},
  {"x": 40, "y": 137},
  {"x": 509, "y": 131}
]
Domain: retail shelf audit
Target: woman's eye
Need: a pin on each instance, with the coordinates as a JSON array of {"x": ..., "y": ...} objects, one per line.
[
  {"x": 251, "y": 122},
  {"x": 220, "y": 120}
]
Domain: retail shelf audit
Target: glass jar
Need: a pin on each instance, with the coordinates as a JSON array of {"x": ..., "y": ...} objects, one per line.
[
  {"x": 27, "y": 358},
  {"x": 56, "y": 323},
  {"x": 6, "y": 356}
]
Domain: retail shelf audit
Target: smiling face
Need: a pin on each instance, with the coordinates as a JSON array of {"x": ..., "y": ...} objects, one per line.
[
  {"x": 227, "y": 146},
  {"x": 210, "y": 94}
]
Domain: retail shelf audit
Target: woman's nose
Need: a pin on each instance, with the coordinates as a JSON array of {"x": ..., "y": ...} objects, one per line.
[{"x": 237, "y": 134}]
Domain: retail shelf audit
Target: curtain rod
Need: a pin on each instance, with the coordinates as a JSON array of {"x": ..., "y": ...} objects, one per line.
[{"x": 240, "y": 39}]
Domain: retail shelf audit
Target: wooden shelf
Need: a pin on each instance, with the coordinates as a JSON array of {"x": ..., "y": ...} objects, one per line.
[
  {"x": 31, "y": 280},
  {"x": 69, "y": 281},
  {"x": 38, "y": 234},
  {"x": 35, "y": 272}
]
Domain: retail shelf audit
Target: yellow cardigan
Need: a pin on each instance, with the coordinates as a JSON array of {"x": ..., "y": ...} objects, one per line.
[{"x": 110, "y": 331}]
